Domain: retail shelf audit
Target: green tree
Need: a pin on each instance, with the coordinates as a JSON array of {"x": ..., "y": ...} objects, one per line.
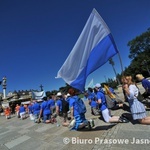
[
  {"x": 139, "y": 55},
  {"x": 140, "y": 44}
]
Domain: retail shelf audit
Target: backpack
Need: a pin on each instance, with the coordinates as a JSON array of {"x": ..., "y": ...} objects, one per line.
[
  {"x": 80, "y": 106},
  {"x": 65, "y": 106},
  {"x": 110, "y": 102}
]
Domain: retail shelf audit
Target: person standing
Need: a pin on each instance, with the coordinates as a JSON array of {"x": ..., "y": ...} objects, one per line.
[{"x": 7, "y": 112}]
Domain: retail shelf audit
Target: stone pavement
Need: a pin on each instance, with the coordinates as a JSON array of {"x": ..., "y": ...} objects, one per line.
[{"x": 16, "y": 134}]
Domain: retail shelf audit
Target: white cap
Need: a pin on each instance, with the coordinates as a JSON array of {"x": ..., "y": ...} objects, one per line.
[
  {"x": 68, "y": 95},
  {"x": 98, "y": 85},
  {"x": 59, "y": 94}
]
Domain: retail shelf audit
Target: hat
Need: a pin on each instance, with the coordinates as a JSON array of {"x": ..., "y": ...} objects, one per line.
[
  {"x": 98, "y": 85},
  {"x": 68, "y": 95},
  {"x": 59, "y": 94}
]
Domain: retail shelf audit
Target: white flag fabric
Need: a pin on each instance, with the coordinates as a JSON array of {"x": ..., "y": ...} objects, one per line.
[
  {"x": 91, "y": 84},
  {"x": 38, "y": 95},
  {"x": 94, "y": 47}
]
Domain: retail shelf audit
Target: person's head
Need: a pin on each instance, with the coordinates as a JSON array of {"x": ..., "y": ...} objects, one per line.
[
  {"x": 97, "y": 86},
  {"x": 139, "y": 77},
  {"x": 90, "y": 90},
  {"x": 44, "y": 98},
  {"x": 59, "y": 95},
  {"x": 129, "y": 80},
  {"x": 72, "y": 92},
  {"x": 123, "y": 80}
]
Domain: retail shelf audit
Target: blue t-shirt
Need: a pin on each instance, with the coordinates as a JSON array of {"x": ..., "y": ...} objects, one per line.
[
  {"x": 93, "y": 100},
  {"x": 36, "y": 108},
  {"x": 59, "y": 104},
  {"x": 22, "y": 109},
  {"x": 146, "y": 84},
  {"x": 51, "y": 102},
  {"x": 46, "y": 108},
  {"x": 30, "y": 109},
  {"x": 72, "y": 104},
  {"x": 101, "y": 95}
]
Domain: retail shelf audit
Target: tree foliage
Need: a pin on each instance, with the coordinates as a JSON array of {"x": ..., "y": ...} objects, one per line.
[
  {"x": 139, "y": 55},
  {"x": 139, "y": 45}
]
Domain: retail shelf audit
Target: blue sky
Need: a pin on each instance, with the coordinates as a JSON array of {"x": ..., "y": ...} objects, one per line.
[{"x": 36, "y": 36}]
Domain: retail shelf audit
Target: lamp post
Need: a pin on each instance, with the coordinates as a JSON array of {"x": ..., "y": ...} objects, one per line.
[
  {"x": 112, "y": 63},
  {"x": 4, "y": 87}
]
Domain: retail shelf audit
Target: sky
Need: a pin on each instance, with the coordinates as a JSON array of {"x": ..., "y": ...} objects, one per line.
[{"x": 36, "y": 37}]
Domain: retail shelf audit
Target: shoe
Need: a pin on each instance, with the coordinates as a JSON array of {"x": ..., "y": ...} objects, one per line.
[
  {"x": 123, "y": 120},
  {"x": 92, "y": 123},
  {"x": 72, "y": 123},
  {"x": 89, "y": 125}
]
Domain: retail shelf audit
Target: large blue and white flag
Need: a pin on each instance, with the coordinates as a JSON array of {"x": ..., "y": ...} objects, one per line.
[{"x": 94, "y": 47}]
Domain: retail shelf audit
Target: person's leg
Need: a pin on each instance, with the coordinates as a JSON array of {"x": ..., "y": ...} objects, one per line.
[
  {"x": 106, "y": 115},
  {"x": 45, "y": 119},
  {"x": 21, "y": 115},
  {"x": 36, "y": 117},
  {"x": 145, "y": 120},
  {"x": 114, "y": 119}
]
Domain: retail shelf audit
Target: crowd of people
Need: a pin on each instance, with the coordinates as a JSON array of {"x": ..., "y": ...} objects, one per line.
[{"x": 68, "y": 109}]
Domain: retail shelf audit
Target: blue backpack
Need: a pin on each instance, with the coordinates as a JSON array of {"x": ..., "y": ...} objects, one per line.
[{"x": 80, "y": 106}]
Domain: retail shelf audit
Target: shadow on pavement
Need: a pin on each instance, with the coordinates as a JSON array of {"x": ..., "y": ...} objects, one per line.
[
  {"x": 98, "y": 128},
  {"x": 129, "y": 117}
]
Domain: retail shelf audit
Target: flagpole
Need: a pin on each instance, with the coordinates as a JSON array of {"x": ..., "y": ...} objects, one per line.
[{"x": 121, "y": 63}]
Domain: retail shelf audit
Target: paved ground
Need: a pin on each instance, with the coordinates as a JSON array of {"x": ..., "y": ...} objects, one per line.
[{"x": 16, "y": 134}]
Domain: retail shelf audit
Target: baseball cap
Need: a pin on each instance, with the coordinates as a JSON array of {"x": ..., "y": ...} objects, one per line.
[{"x": 98, "y": 85}]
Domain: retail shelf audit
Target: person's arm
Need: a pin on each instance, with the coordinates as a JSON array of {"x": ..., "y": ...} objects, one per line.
[
  {"x": 99, "y": 98},
  {"x": 126, "y": 89},
  {"x": 71, "y": 113},
  {"x": 58, "y": 107},
  {"x": 130, "y": 91},
  {"x": 41, "y": 111},
  {"x": 99, "y": 101},
  {"x": 89, "y": 99}
]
